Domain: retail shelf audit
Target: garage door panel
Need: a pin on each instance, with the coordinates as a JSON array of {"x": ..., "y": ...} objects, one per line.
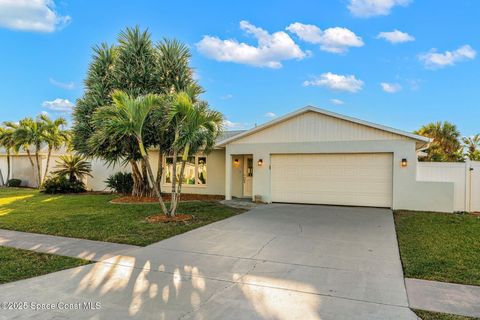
[{"x": 343, "y": 179}]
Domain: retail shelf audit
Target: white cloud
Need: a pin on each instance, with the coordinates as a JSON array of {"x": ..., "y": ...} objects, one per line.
[
  {"x": 226, "y": 97},
  {"x": 59, "y": 105},
  {"x": 370, "y": 8},
  {"x": 270, "y": 115},
  {"x": 336, "y": 101},
  {"x": 31, "y": 15},
  {"x": 396, "y": 36},
  {"x": 64, "y": 85},
  {"x": 336, "y": 40},
  {"x": 390, "y": 87},
  {"x": 336, "y": 82},
  {"x": 234, "y": 125},
  {"x": 271, "y": 50},
  {"x": 436, "y": 60}
]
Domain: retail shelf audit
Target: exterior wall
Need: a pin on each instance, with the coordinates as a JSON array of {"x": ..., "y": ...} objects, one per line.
[
  {"x": 407, "y": 192},
  {"x": 100, "y": 172},
  {"x": 314, "y": 127},
  {"x": 22, "y": 169},
  {"x": 466, "y": 182}
]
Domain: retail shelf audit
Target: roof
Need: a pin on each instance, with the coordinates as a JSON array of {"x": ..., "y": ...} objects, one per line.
[
  {"x": 229, "y": 134},
  {"x": 327, "y": 113}
]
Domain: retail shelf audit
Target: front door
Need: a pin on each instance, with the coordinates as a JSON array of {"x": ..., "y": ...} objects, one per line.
[{"x": 247, "y": 176}]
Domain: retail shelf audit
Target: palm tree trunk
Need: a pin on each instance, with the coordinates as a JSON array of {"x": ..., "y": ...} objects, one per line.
[
  {"x": 152, "y": 177},
  {"x": 160, "y": 170},
  {"x": 8, "y": 165},
  {"x": 39, "y": 174},
  {"x": 174, "y": 179},
  {"x": 48, "y": 164},
  {"x": 147, "y": 190},
  {"x": 30, "y": 158},
  {"x": 174, "y": 204},
  {"x": 137, "y": 181}
]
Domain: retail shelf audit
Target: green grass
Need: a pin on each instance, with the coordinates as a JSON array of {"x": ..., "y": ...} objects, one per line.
[
  {"x": 440, "y": 247},
  {"x": 19, "y": 264},
  {"x": 91, "y": 216},
  {"x": 427, "y": 315}
]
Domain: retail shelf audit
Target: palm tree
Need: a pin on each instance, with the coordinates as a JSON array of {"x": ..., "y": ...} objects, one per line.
[
  {"x": 196, "y": 127},
  {"x": 472, "y": 144},
  {"x": 54, "y": 136},
  {"x": 446, "y": 141},
  {"x": 30, "y": 133},
  {"x": 125, "y": 119},
  {"x": 7, "y": 142},
  {"x": 73, "y": 166}
]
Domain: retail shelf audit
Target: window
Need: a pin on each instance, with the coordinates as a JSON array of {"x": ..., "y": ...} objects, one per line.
[{"x": 195, "y": 170}]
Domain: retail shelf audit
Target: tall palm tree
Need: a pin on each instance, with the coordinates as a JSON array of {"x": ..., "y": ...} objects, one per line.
[
  {"x": 472, "y": 144},
  {"x": 54, "y": 136},
  {"x": 125, "y": 119},
  {"x": 446, "y": 141},
  {"x": 30, "y": 133},
  {"x": 73, "y": 166},
  {"x": 7, "y": 142},
  {"x": 196, "y": 128}
]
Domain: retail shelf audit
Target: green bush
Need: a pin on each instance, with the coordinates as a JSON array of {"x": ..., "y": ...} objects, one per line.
[
  {"x": 120, "y": 182},
  {"x": 60, "y": 184},
  {"x": 14, "y": 183}
]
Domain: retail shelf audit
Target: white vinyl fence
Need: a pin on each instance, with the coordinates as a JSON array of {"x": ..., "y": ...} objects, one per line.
[{"x": 465, "y": 176}]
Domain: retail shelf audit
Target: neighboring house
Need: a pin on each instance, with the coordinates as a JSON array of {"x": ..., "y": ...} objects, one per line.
[{"x": 318, "y": 157}]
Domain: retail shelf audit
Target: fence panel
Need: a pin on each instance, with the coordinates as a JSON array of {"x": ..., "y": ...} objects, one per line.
[
  {"x": 466, "y": 181},
  {"x": 446, "y": 172}
]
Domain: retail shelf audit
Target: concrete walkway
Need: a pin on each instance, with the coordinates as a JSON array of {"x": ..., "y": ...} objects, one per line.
[
  {"x": 70, "y": 247},
  {"x": 274, "y": 262},
  {"x": 444, "y": 297}
]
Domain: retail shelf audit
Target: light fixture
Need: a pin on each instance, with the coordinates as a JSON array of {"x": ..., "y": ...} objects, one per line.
[
  {"x": 404, "y": 162},
  {"x": 260, "y": 162},
  {"x": 236, "y": 162}
]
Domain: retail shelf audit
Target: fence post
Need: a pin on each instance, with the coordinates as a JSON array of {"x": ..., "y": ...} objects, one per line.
[{"x": 468, "y": 185}]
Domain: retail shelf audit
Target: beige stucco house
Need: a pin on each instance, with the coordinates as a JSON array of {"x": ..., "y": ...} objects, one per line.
[{"x": 312, "y": 156}]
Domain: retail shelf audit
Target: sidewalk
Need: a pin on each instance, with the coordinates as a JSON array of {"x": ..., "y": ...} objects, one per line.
[
  {"x": 444, "y": 297},
  {"x": 63, "y": 246}
]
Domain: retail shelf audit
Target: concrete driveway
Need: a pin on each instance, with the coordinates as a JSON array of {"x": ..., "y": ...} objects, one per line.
[{"x": 274, "y": 262}]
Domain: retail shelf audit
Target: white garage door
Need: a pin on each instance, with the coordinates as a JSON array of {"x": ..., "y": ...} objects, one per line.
[{"x": 338, "y": 179}]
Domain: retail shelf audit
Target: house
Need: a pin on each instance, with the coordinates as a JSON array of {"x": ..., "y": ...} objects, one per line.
[{"x": 314, "y": 156}]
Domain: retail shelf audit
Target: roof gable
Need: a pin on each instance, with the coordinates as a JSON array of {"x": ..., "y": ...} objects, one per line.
[{"x": 314, "y": 124}]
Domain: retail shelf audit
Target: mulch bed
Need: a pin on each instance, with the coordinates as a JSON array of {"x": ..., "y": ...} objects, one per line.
[
  {"x": 163, "y": 218},
  {"x": 167, "y": 197}
]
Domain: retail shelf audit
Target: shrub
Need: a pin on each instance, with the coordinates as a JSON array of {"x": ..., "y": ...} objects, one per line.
[
  {"x": 14, "y": 183},
  {"x": 120, "y": 182},
  {"x": 60, "y": 184}
]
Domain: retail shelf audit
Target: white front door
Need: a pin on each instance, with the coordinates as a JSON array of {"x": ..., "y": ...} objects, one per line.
[{"x": 247, "y": 176}]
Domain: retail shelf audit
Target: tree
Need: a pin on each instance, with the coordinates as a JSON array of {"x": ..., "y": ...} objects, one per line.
[
  {"x": 446, "y": 144},
  {"x": 196, "y": 127},
  {"x": 30, "y": 133},
  {"x": 7, "y": 142},
  {"x": 125, "y": 120},
  {"x": 73, "y": 166},
  {"x": 138, "y": 67},
  {"x": 472, "y": 146},
  {"x": 54, "y": 136}
]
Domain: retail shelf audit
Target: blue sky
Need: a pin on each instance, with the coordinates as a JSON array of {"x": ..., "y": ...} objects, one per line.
[{"x": 260, "y": 59}]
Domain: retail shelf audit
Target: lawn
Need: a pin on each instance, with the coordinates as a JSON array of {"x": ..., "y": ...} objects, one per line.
[
  {"x": 21, "y": 264},
  {"x": 427, "y": 315},
  {"x": 91, "y": 216},
  {"x": 440, "y": 247}
]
